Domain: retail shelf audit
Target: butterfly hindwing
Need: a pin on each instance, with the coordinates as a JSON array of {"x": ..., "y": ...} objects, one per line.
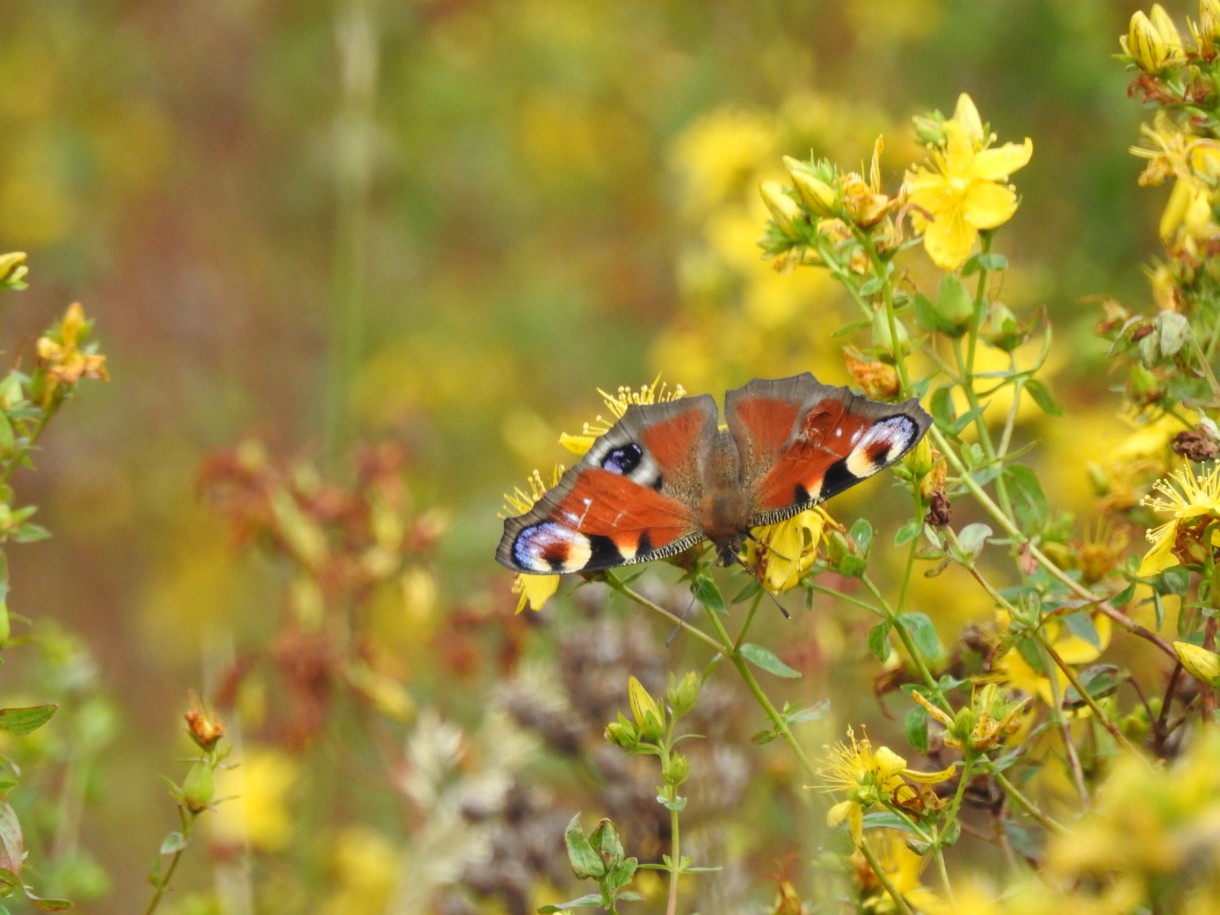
[
  {"x": 630, "y": 499},
  {"x": 802, "y": 442}
]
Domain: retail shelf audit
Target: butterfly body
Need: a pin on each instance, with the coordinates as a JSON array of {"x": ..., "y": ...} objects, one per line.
[{"x": 666, "y": 476}]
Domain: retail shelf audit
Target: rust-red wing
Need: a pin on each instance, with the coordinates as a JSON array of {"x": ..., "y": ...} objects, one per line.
[
  {"x": 802, "y": 442},
  {"x": 632, "y": 498}
]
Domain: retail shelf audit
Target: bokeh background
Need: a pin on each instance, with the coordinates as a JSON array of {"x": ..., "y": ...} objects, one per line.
[{"x": 446, "y": 224}]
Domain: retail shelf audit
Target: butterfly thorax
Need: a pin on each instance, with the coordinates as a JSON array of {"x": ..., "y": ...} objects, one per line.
[{"x": 725, "y": 509}]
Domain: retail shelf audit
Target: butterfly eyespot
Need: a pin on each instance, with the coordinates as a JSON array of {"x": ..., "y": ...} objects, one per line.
[{"x": 623, "y": 459}]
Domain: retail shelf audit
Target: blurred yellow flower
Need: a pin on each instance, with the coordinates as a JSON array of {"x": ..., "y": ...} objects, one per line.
[
  {"x": 963, "y": 191},
  {"x": 1195, "y": 503},
  {"x": 62, "y": 353},
  {"x": 902, "y": 868},
  {"x": 256, "y": 812},
  {"x": 366, "y": 868},
  {"x": 1016, "y": 673},
  {"x": 718, "y": 156}
]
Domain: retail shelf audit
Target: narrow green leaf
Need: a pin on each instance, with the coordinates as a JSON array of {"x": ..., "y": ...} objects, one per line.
[
  {"x": 588, "y": 901},
  {"x": 862, "y": 533},
  {"x": 12, "y": 843},
  {"x": 23, "y": 720},
  {"x": 1042, "y": 396},
  {"x": 764, "y": 658},
  {"x": 812, "y": 713},
  {"x": 1099, "y": 681}
]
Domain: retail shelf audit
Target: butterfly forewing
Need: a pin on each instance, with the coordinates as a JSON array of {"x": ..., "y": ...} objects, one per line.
[
  {"x": 833, "y": 440},
  {"x": 627, "y": 501}
]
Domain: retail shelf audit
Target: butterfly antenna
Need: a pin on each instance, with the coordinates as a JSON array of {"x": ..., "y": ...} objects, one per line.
[
  {"x": 762, "y": 548},
  {"x": 677, "y": 626}
]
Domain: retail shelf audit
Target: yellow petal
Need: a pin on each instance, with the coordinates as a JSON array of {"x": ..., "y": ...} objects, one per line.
[
  {"x": 535, "y": 590},
  {"x": 988, "y": 205},
  {"x": 967, "y": 115},
  {"x": 948, "y": 239},
  {"x": 997, "y": 164},
  {"x": 1160, "y": 557}
]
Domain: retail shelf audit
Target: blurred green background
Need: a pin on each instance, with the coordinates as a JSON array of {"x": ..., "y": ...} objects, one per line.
[{"x": 447, "y": 223}]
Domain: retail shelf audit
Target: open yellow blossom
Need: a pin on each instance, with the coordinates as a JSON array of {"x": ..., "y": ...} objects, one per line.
[
  {"x": 1194, "y": 502},
  {"x": 657, "y": 392},
  {"x": 872, "y": 777},
  {"x": 902, "y": 868},
  {"x": 781, "y": 553},
  {"x": 963, "y": 189}
]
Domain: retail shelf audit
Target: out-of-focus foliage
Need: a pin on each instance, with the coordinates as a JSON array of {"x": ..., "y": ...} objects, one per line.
[{"x": 439, "y": 227}]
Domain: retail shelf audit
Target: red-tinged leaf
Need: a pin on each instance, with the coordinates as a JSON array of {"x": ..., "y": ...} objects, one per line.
[{"x": 12, "y": 844}]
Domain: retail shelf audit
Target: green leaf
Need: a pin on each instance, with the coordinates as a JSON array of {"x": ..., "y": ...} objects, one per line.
[
  {"x": 1099, "y": 681},
  {"x": 942, "y": 408},
  {"x": 1028, "y": 500},
  {"x": 812, "y": 713},
  {"x": 174, "y": 842},
  {"x": 621, "y": 874},
  {"x": 879, "y": 640},
  {"x": 1042, "y": 396},
  {"x": 916, "y": 728},
  {"x": 706, "y": 593},
  {"x": 585, "y": 861},
  {"x": 862, "y": 533},
  {"x": 972, "y": 537},
  {"x": 923, "y": 634},
  {"x": 23, "y": 720},
  {"x": 588, "y": 901},
  {"x": 764, "y": 658},
  {"x": 908, "y": 532},
  {"x": 1081, "y": 625},
  {"x": 985, "y": 260}
]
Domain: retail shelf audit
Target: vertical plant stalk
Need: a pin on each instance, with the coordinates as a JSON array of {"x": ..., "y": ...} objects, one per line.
[{"x": 354, "y": 131}]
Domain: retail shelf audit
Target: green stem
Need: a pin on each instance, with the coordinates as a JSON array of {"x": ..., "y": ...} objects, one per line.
[
  {"x": 1014, "y": 793},
  {"x": 644, "y": 602},
  {"x": 675, "y": 869},
  {"x": 908, "y": 643},
  {"x": 731, "y": 651},
  {"x": 1010, "y": 527},
  {"x": 899, "y": 902},
  {"x": 1088, "y": 700}
]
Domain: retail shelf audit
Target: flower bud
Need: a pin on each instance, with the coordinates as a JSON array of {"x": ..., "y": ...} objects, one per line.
[
  {"x": 198, "y": 788},
  {"x": 784, "y": 210},
  {"x": 1145, "y": 45},
  {"x": 816, "y": 194},
  {"x": 683, "y": 693},
  {"x": 1001, "y": 330},
  {"x": 882, "y": 339},
  {"x": 1200, "y": 663},
  {"x": 649, "y": 718},
  {"x": 12, "y": 268}
]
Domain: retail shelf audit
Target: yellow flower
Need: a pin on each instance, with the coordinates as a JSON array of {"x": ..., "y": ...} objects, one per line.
[
  {"x": 1195, "y": 504},
  {"x": 963, "y": 191},
  {"x": 63, "y": 355},
  {"x": 257, "y": 813},
  {"x": 1015, "y": 672},
  {"x": 366, "y": 869},
  {"x": 781, "y": 553},
  {"x": 872, "y": 777},
  {"x": 657, "y": 392}
]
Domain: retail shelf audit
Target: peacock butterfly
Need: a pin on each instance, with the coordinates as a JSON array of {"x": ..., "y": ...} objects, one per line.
[{"x": 666, "y": 476}]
